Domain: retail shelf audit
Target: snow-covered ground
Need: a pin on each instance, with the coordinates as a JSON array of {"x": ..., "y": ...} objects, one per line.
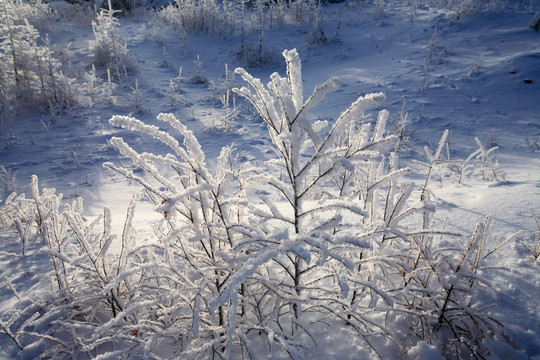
[{"x": 477, "y": 75}]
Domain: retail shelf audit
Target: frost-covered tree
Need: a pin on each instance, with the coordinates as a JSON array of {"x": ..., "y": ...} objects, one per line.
[
  {"x": 322, "y": 198},
  {"x": 108, "y": 49},
  {"x": 30, "y": 72}
]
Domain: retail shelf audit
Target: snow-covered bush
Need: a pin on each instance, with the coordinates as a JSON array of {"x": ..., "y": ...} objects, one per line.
[
  {"x": 205, "y": 16},
  {"x": 199, "y": 75},
  {"x": 256, "y": 260},
  {"x": 108, "y": 50},
  {"x": 30, "y": 73},
  {"x": 64, "y": 322}
]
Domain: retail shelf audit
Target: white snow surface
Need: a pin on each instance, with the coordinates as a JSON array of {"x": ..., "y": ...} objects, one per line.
[{"x": 477, "y": 76}]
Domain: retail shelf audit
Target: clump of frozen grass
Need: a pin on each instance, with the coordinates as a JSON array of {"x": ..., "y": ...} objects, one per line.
[
  {"x": 534, "y": 246},
  {"x": 480, "y": 164}
]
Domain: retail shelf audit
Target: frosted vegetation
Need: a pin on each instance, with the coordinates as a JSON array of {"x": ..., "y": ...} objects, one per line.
[{"x": 246, "y": 259}]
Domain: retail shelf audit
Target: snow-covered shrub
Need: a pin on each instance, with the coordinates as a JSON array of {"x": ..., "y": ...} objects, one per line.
[
  {"x": 195, "y": 239},
  {"x": 120, "y": 5},
  {"x": 93, "y": 86},
  {"x": 136, "y": 97},
  {"x": 443, "y": 289},
  {"x": 256, "y": 260},
  {"x": 36, "y": 12},
  {"x": 199, "y": 75},
  {"x": 252, "y": 55},
  {"x": 29, "y": 71},
  {"x": 89, "y": 284},
  {"x": 108, "y": 50},
  {"x": 464, "y": 8},
  {"x": 205, "y": 16}
]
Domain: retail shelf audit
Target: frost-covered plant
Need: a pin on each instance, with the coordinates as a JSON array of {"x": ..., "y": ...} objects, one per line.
[
  {"x": 136, "y": 98},
  {"x": 91, "y": 287},
  {"x": 93, "y": 86},
  {"x": 257, "y": 259},
  {"x": 205, "y": 16},
  {"x": 199, "y": 75},
  {"x": 108, "y": 49},
  {"x": 230, "y": 111},
  {"x": 322, "y": 204},
  {"x": 489, "y": 168},
  {"x": 479, "y": 163},
  {"x": 433, "y": 159},
  {"x": 443, "y": 289},
  {"x": 7, "y": 182},
  {"x": 29, "y": 71},
  {"x": 401, "y": 129},
  {"x": 172, "y": 94},
  {"x": 534, "y": 248},
  {"x": 196, "y": 238},
  {"x": 108, "y": 89}
]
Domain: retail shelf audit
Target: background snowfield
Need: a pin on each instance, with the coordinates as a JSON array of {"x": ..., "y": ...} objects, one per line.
[{"x": 477, "y": 75}]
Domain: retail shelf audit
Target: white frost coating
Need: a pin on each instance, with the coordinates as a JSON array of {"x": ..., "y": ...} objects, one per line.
[
  {"x": 118, "y": 354},
  {"x": 139, "y": 160},
  {"x": 127, "y": 234},
  {"x": 190, "y": 191},
  {"x": 293, "y": 246},
  {"x": 196, "y": 317},
  {"x": 354, "y": 111},
  {"x": 373, "y": 287},
  {"x": 394, "y": 215},
  {"x": 318, "y": 95},
  {"x": 100, "y": 330},
  {"x": 441, "y": 145},
  {"x": 380, "y": 127},
  {"x": 190, "y": 142},
  {"x": 294, "y": 74},
  {"x": 264, "y": 102},
  {"x": 251, "y": 265},
  {"x": 362, "y": 104},
  {"x": 344, "y": 286},
  {"x": 223, "y": 172},
  {"x": 137, "y": 125},
  {"x": 280, "y": 88},
  {"x": 125, "y": 274}
]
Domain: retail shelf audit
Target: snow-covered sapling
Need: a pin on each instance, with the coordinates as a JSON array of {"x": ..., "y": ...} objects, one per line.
[
  {"x": 29, "y": 72},
  {"x": 230, "y": 110},
  {"x": 199, "y": 75},
  {"x": 108, "y": 49},
  {"x": 314, "y": 159},
  {"x": 137, "y": 98},
  {"x": 108, "y": 89}
]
